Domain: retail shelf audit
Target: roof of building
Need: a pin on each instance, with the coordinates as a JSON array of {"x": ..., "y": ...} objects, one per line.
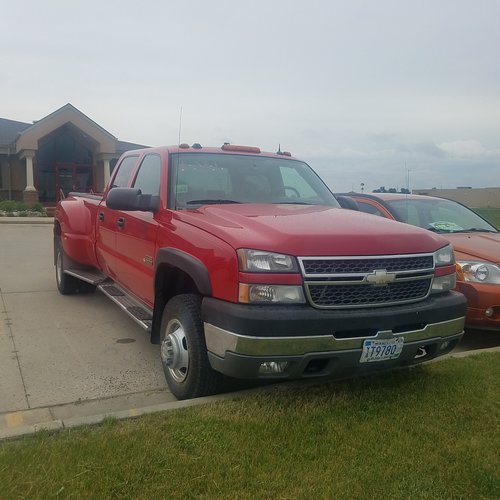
[{"x": 10, "y": 130}]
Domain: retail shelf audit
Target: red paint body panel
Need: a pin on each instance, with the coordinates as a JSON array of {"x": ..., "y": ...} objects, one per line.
[{"x": 310, "y": 230}]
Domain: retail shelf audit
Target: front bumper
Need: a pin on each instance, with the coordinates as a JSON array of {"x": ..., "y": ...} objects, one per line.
[
  {"x": 326, "y": 342},
  {"x": 480, "y": 297}
]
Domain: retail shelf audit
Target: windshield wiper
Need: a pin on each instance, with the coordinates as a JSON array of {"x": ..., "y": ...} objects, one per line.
[
  {"x": 475, "y": 230},
  {"x": 210, "y": 202},
  {"x": 292, "y": 203}
]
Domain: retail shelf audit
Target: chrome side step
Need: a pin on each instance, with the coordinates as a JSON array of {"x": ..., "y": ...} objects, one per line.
[
  {"x": 92, "y": 276},
  {"x": 142, "y": 315}
]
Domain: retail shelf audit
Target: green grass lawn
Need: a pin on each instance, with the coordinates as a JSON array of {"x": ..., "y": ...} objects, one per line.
[
  {"x": 492, "y": 215},
  {"x": 428, "y": 432}
]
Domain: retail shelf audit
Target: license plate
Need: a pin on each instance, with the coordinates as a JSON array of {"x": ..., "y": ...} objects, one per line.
[{"x": 381, "y": 350}]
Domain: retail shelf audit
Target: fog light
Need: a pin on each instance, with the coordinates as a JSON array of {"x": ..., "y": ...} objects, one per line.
[
  {"x": 269, "y": 367},
  {"x": 444, "y": 345},
  {"x": 489, "y": 312}
]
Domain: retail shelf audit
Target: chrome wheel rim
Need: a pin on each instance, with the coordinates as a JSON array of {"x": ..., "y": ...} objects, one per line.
[{"x": 174, "y": 351}]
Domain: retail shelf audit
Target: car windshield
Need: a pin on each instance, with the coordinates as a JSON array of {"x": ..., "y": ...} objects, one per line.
[
  {"x": 439, "y": 215},
  {"x": 211, "y": 178}
]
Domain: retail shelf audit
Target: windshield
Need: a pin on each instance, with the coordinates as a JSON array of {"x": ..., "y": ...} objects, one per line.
[
  {"x": 210, "y": 178},
  {"x": 442, "y": 216}
]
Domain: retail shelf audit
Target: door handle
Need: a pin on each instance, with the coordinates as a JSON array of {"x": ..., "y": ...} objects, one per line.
[
  {"x": 120, "y": 222},
  {"x": 101, "y": 216}
]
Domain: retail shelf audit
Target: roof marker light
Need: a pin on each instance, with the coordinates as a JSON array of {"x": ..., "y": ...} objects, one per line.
[
  {"x": 241, "y": 149},
  {"x": 196, "y": 145}
]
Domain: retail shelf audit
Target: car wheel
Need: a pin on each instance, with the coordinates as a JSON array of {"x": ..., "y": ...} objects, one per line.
[
  {"x": 184, "y": 351},
  {"x": 66, "y": 284}
]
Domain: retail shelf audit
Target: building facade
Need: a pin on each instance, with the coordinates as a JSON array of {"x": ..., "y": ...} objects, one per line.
[{"x": 64, "y": 151}]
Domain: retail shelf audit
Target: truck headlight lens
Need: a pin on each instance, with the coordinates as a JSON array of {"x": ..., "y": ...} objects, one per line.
[
  {"x": 259, "y": 261},
  {"x": 480, "y": 272},
  {"x": 444, "y": 283},
  {"x": 444, "y": 256},
  {"x": 271, "y": 294}
]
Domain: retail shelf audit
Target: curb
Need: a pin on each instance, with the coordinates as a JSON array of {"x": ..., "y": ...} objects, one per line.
[
  {"x": 26, "y": 220},
  {"x": 16, "y": 420}
]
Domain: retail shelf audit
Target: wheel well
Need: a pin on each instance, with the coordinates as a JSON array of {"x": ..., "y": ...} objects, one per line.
[{"x": 169, "y": 282}]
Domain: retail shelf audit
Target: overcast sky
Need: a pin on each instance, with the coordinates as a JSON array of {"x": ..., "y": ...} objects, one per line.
[{"x": 371, "y": 92}]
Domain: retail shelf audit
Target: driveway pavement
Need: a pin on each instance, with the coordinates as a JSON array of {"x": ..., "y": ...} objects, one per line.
[
  {"x": 68, "y": 355},
  {"x": 70, "y": 360}
]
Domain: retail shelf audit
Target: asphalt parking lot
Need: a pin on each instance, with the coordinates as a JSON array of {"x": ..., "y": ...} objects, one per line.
[{"x": 67, "y": 360}]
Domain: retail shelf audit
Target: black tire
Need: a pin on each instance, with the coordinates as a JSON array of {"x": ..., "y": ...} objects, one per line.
[
  {"x": 184, "y": 352},
  {"x": 66, "y": 284}
]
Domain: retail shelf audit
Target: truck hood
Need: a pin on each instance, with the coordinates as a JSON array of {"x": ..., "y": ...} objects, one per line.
[
  {"x": 304, "y": 230},
  {"x": 476, "y": 246}
]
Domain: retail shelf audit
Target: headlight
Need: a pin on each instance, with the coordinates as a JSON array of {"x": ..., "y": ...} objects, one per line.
[
  {"x": 444, "y": 256},
  {"x": 271, "y": 294},
  {"x": 259, "y": 261},
  {"x": 480, "y": 272}
]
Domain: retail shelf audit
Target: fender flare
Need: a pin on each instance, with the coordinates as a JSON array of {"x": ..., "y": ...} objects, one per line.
[{"x": 188, "y": 264}]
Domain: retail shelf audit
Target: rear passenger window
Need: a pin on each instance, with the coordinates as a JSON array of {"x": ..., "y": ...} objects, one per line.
[
  {"x": 148, "y": 177},
  {"x": 125, "y": 169}
]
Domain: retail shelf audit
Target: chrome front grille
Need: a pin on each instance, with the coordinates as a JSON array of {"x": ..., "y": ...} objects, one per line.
[
  {"x": 344, "y": 282},
  {"x": 367, "y": 265}
]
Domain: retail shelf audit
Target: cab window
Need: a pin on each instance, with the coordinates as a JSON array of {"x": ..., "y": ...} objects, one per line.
[
  {"x": 124, "y": 172},
  {"x": 148, "y": 177}
]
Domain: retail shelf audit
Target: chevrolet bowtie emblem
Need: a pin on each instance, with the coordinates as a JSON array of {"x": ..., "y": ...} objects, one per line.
[{"x": 380, "y": 277}]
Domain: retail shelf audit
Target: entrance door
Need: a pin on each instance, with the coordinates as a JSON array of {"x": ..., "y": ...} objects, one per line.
[{"x": 74, "y": 178}]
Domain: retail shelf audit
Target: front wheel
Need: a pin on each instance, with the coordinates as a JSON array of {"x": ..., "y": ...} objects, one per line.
[{"x": 184, "y": 351}]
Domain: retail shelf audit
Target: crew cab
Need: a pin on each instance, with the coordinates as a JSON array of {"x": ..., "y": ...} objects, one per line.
[{"x": 241, "y": 264}]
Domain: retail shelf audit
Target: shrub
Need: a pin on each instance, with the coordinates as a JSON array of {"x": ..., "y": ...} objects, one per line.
[
  {"x": 21, "y": 209},
  {"x": 10, "y": 206},
  {"x": 37, "y": 207}
]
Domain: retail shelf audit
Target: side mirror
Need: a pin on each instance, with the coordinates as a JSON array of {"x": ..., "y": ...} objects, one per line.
[
  {"x": 131, "y": 200},
  {"x": 347, "y": 202}
]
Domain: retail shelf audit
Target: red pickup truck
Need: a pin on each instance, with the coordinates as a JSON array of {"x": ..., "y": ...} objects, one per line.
[{"x": 241, "y": 264}]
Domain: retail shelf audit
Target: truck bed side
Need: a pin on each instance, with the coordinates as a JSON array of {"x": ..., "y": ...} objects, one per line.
[{"x": 75, "y": 221}]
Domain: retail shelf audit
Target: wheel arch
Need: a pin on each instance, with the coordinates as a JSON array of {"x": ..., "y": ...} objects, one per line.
[{"x": 176, "y": 273}]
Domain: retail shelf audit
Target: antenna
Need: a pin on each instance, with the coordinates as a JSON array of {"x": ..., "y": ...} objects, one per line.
[{"x": 180, "y": 126}]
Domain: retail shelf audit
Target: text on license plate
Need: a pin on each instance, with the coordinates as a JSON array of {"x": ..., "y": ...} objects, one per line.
[{"x": 381, "y": 350}]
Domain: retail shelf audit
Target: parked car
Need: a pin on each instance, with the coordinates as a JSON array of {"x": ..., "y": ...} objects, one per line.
[{"x": 476, "y": 243}]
